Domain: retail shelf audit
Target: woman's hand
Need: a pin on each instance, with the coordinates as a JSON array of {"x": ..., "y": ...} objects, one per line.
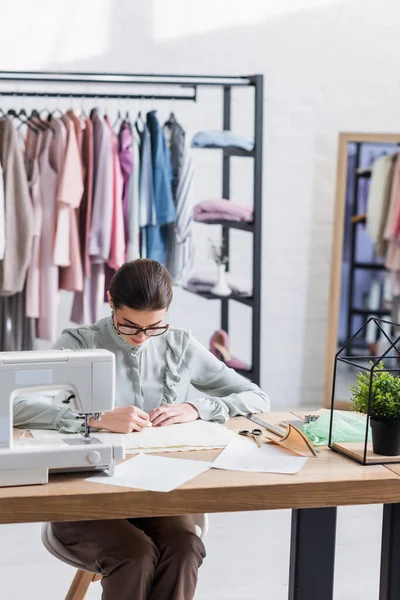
[
  {"x": 169, "y": 414},
  {"x": 122, "y": 420}
]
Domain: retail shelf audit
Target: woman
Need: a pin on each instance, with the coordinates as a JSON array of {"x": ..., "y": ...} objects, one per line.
[{"x": 153, "y": 558}]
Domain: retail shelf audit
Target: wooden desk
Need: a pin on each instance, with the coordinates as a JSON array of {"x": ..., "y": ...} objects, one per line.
[{"x": 324, "y": 483}]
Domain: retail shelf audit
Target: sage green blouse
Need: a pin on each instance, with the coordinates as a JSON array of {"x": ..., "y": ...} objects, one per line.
[{"x": 158, "y": 372}]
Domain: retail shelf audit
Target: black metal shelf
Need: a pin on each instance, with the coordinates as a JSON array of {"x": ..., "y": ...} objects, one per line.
[
  {"x": 239, "y": 152},
  {"x": 247, "y": 300},
  {"x": 370, "y": 266},
  {"x": 245, "y": 372},
  {"x": 364, "y": 174},
  {"x": 242, "y": 225},
  {"x": 379, "y": 312},
  {"x": 230, "y": 151}
]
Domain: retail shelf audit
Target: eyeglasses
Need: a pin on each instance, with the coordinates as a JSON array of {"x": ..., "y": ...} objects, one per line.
[{"x": 149, "y": 331}]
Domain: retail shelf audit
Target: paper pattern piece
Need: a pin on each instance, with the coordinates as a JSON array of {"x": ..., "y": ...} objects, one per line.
[
  {"x": 153, "y": 473},
  {"x": 244, "y": 455},
  {"x": 197, "y": 435}
]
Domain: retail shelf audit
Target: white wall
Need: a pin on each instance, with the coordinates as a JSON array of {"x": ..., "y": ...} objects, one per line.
[{"x": 330, "y": 66}]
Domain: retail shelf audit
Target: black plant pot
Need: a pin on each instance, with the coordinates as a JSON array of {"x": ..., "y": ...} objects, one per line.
[{"x": 385, "y": 438}]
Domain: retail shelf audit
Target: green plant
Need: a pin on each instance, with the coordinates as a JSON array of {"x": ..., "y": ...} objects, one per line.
[{"x": 385, "y": 395}]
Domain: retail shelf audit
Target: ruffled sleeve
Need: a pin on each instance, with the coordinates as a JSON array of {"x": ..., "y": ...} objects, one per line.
[{"x": 177, "y": 344}]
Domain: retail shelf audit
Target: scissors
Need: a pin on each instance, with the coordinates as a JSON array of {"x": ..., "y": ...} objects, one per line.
[{"x": 254, "y": 433}]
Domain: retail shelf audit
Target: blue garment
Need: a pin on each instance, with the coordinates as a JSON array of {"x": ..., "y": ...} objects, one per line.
[
  {"x": 222, "y": 139},
  {"x": 157, "y": 235}
]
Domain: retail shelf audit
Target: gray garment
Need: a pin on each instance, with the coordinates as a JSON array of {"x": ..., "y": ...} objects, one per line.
[
  {"x": 103, "y": 199},
  {"x": 180, "y": 245},
  {"x": 222, "y": 139},
  {"x": 18, "y": 212},
  {"x": 175, "y": 137},
  {"x": 17, "y": 331},
  {"x": 158, "y": 372}
]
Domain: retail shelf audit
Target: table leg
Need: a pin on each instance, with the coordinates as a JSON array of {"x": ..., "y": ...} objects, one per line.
[
  {"x": 390, "y": 557},
  {"x": 312, "y": 554}
]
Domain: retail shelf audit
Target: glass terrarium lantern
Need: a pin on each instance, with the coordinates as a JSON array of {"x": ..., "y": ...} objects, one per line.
[{"x": 374, "y": 383}]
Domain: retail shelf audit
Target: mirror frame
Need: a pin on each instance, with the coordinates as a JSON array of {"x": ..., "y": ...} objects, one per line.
[{"x": 337, "y": 251}]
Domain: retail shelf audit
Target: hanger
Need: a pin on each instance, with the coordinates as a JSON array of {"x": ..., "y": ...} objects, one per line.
[
  {"x": 52, "y": 114},
  {"x": 118, "y": 119},
  {"x": 13, "y": 113},
  {"x": 42, "y": 125}
]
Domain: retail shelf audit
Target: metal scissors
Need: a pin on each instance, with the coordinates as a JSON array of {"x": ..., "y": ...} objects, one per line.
[{"x": 254, "y": 433}]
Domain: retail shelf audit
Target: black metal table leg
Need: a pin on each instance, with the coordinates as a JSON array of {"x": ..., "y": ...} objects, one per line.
[
  {"x": 312, "y": 554},
  {"x": 390, "y": 557}
]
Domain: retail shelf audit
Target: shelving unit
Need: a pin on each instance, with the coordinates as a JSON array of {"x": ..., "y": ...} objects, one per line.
[
  {"x": 255, "y": 228},
  {"x": 53, "y": 85}
]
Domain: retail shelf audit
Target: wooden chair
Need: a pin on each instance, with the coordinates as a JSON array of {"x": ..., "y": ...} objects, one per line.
[{"x": 83, "y": 578}]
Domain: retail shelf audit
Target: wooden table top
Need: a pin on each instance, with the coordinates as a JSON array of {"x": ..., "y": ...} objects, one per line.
[{"x": 328, "y": 480}]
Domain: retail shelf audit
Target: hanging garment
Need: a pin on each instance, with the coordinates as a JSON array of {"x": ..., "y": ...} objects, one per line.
[
  {"x": 18, "y": 212},
  {"x": 32, "y": 151},
  {"x": 147, "y": 207},
  {"x": 118, "y": 249},
  {"x": 2, "y": 216},
  {"x": 49, "y": 295},
  {"x": 157, "y": 235},
  {"x": 102, "y": 207},
  {"x": 133, "y": 218},
  {"x": 81, "y": 312},
  {"x": 180, "y": 248},
  {"x": 70, "y": 192},
  {"x": 17, "y": 331},
  {"x": 125, "y": 139},
  {"x": 392, "y": 260},
  {"x": 102, "y": 211},
  {"x": 379, "y": 196}
]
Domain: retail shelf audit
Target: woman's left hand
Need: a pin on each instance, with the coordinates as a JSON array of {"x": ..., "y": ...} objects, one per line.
[{"x": 170, "y": 414}]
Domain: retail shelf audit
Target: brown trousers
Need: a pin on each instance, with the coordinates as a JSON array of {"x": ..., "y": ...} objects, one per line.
[{"x": 140, "y": 559}]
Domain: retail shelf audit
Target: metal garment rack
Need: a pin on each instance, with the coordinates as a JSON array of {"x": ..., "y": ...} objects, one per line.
[{"x": 188, "y": 85}]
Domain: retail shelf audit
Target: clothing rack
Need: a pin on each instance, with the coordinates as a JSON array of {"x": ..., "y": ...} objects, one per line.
[{"x": 184, "y": 83}]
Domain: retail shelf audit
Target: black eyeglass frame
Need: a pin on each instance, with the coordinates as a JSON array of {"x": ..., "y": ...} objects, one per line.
[{"x": 136, "y": 330}]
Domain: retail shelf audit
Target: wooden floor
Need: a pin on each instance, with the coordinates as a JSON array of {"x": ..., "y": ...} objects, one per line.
[{"x": 255, "y": 568}]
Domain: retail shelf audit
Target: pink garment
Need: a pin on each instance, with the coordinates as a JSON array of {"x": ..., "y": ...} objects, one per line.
[
  {"x": 222, "y": 210},
  {"x": 69, "y": 196},
  {"x": 70, "y": 192},
  {"x": 47, "y": 322},
  {"x": 85, "y": 213},
  {"x": 32, "y": 151},
  {"x": 81, "y": 307},
  {"x": 118, "y": 247}
]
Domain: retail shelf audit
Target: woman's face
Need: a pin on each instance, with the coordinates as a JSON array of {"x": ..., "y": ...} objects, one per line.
[{"x": 130, "y": 321}]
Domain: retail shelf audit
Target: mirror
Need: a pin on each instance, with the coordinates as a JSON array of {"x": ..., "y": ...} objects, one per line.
[{"x": 359, "y": 279}]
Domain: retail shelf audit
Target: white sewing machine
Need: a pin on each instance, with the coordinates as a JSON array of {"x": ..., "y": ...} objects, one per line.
[{"x": 89, "y": 376}]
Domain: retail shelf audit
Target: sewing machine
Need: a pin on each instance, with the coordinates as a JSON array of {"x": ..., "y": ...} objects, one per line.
[{"x": 89, "y": 377}]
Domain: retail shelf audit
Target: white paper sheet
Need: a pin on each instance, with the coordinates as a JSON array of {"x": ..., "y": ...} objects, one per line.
[
  {"x": 153, "y": 473},
  {"x": 197, "y": 435},
  {"x": 244, "y": 455}
]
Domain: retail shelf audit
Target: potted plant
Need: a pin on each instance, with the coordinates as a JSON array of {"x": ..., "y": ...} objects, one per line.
[{"x": 384, "y": 409}]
